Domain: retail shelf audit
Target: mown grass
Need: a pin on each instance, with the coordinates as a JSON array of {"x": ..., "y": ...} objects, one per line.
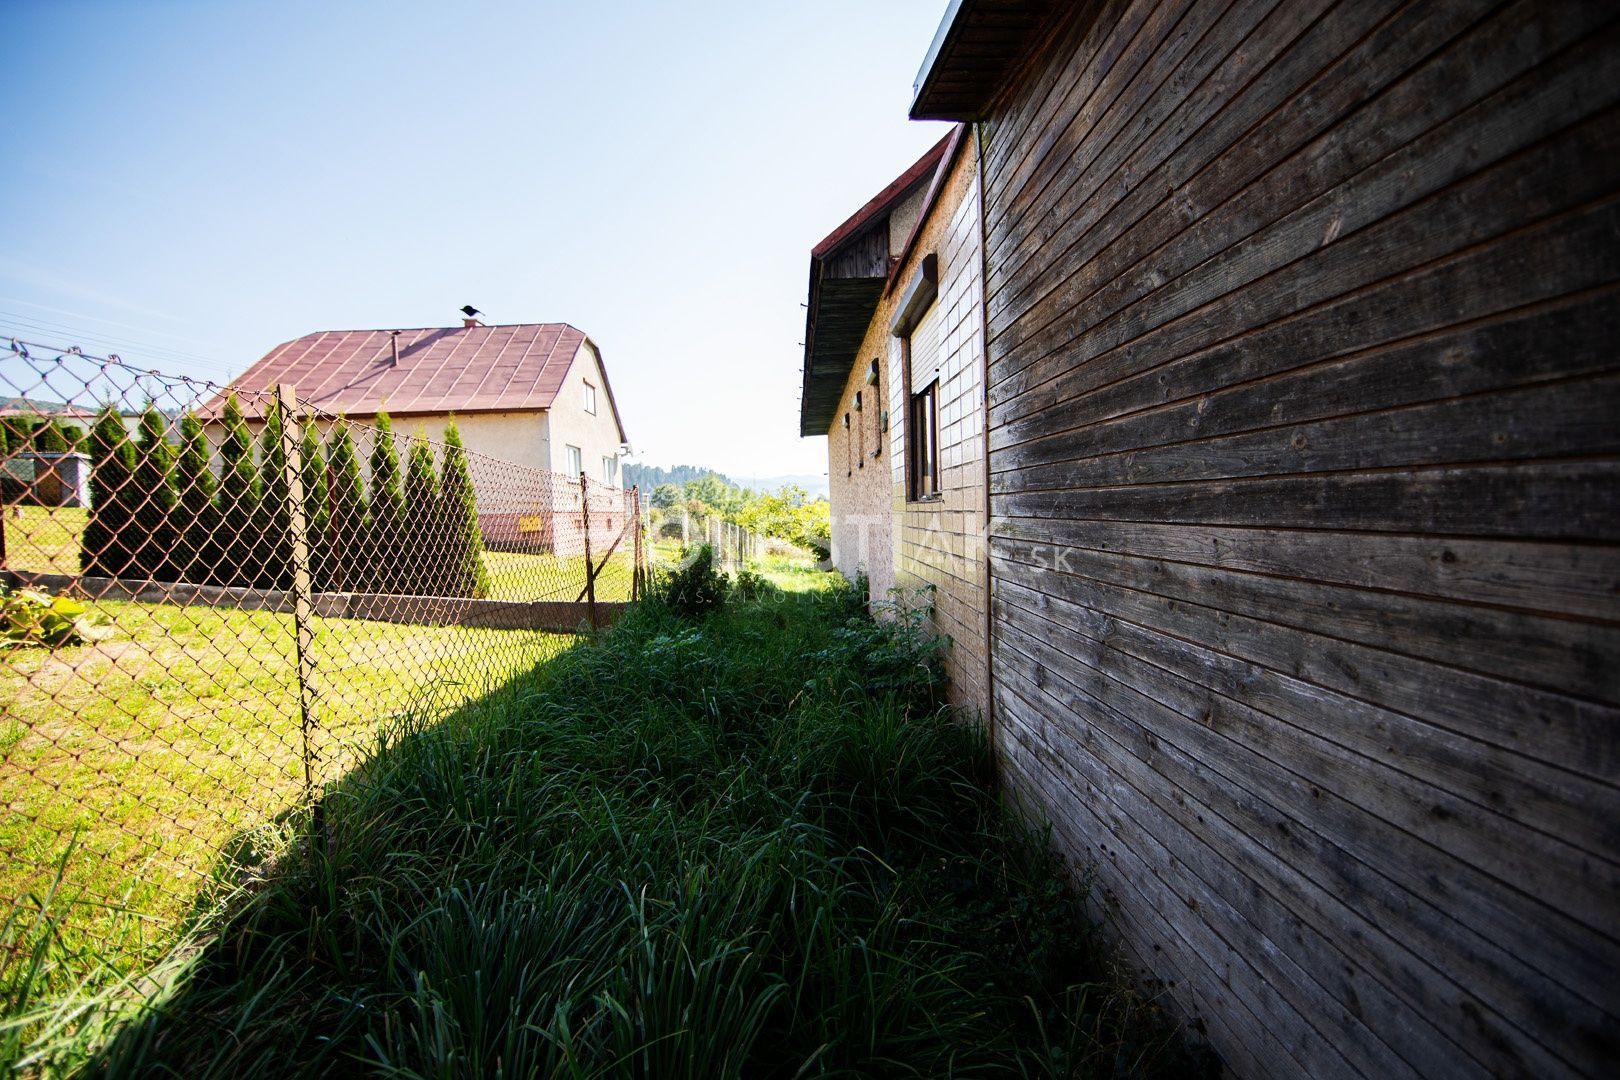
[
  {"x": 45, "y": 540},
  {"x": 144, "y": 773},
  {"x": 751, "y": 845}
]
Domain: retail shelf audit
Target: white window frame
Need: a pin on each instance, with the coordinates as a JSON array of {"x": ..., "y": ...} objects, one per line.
[
  {"x": 590, "y": 398},
  {"x": 610, "y": 467},
  {"x": 576, "y": 460}
]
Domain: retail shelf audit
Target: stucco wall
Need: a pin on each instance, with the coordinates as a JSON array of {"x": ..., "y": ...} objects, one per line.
[
  {"x": 940, "y": 543},
  {"x": 516, "y": 437},
  {"x": 907, "y": 545},
  {"x": 858, "y": 482},
  {"x": 597, "y": 436},
  {"x": 863, "y": 539}
]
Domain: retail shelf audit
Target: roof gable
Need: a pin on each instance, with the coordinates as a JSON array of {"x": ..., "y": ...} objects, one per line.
[{"x": 847, "y": 274}]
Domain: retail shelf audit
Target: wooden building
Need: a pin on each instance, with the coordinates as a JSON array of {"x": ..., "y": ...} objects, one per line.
[{"x": 1303, "y": 431}]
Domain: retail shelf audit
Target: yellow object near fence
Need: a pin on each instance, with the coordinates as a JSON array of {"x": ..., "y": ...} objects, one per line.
[{"x": 257, "y": 591}]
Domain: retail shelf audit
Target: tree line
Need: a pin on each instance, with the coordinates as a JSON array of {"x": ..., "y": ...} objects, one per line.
[
  {"x": 42, "y": 434},
  {"x": 787, "y": 514},
  {"x": 648, "y": 477},
  {"x": 160, "y": 512}
]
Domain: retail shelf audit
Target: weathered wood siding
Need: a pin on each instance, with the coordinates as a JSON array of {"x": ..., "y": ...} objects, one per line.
[{"x": 1304, "y": 406}]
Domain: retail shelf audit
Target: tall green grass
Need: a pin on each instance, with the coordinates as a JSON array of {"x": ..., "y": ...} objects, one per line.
[{"x": 751, "y": 845}]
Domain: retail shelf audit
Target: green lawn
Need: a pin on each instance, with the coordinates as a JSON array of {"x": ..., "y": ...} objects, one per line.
[
  {"x": 178, "y": 739},
  {"x": 45, "y": 540}
]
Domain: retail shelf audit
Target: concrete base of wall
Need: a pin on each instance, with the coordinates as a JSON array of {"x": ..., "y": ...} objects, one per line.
[{"x": 559, "y": 615}]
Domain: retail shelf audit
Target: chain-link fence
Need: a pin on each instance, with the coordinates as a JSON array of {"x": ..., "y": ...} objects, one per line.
[
  {"x": 734, "y": 546},
  {"x": 212, "y": 604}
]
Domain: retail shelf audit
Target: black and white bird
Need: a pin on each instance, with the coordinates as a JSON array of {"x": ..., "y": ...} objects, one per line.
[{"x": 470, "y": 311}]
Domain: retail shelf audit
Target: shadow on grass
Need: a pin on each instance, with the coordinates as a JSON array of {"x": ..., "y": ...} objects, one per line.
[{"x": 751, "y": 844}]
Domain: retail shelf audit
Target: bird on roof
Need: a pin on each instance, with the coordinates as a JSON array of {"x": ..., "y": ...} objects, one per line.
[{"x": 470, "y": 311}]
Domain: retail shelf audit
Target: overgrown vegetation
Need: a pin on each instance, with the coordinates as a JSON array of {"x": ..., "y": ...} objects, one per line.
[
  {"x": 788, "y": 514},
  {"x": 748, "y": 842},
  {"x": 694, "y": 587},
  {"x": 30, "y": 617}
]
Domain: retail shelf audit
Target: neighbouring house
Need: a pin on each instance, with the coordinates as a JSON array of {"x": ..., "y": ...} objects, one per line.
[
  {"x": 898, "y": 359},
  {"x": 531, "y": 395},
  {"x": 45, "y": 477},
  {"x": 1304, "y": 530}
]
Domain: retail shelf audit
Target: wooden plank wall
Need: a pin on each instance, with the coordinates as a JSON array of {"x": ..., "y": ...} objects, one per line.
[{"x": 1304, "y": 408}]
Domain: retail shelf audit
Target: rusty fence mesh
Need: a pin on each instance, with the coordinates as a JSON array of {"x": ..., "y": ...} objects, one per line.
[
  {"x": 681, "y": 530},
  {"x": 213, "y": 604}
]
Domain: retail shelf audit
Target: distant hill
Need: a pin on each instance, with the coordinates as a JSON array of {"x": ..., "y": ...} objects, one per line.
[
  {"x": 814, "y": 483},
  {"x": 648, "y": 477}
]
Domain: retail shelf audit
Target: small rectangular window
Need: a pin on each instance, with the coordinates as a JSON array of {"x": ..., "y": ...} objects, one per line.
[
  {"x": 590, "y": 399},
  {"x": 922, "y": 444},
  {"x": 576, "y": 461},
  {"x": 608, "y": 469}
]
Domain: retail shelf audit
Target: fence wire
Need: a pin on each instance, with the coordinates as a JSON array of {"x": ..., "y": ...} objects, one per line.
[{"x": 214, "y": 602}]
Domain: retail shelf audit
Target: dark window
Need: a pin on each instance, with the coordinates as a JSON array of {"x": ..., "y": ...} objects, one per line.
[{"x": 922, "y": 442}]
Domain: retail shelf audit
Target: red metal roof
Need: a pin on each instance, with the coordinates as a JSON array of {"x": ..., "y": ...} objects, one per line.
[{"x": 441, "y": 369}]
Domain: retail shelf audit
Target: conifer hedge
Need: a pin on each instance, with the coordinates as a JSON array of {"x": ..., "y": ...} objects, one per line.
[
  {"x": 106, "y": 550},
  {"x": 386, "y": 522},
  {"x": 196, "y": 518},
  {"x": 422, "y": 560},
  {"x": 274, "y": 517},
  {"x": 316, "y": 512},
  {"x": 152, "y": 498},
  {"x": 159, "y": 512},
  {"x": 238, "y": 500},
  {"x": 465, "y": 573},
  {"x": 348, "y": 510}
]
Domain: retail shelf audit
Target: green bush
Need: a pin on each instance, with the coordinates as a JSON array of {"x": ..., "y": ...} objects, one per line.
[
  {"x": 695, "y": 587},
  {"x": 28, "y": 617},
  {"x": 753, "y": 586}
]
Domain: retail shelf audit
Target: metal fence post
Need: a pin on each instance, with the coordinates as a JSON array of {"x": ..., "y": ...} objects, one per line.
[
  {"x": 636, "y": 585},
  {"x": 298, "y": 560},
  {"x": 585, "y": 527}
]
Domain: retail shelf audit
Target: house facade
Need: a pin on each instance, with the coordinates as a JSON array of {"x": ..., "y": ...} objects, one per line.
[
  {"x": 532, "y": 394},
  {"x": 531, "y": 401},
  {"x": 845, "y": 384},
  {"x": 906, "y": 439},
  {"x": 1302, "y": 546}
]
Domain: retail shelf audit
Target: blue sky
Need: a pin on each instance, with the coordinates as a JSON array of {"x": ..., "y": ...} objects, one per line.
[{"x": 190, "y": 183}]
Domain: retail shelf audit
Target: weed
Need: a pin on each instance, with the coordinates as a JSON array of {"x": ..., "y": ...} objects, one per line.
[
  {"x": 694, "y": 588},
  {"x": 664, "y": 854}
]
